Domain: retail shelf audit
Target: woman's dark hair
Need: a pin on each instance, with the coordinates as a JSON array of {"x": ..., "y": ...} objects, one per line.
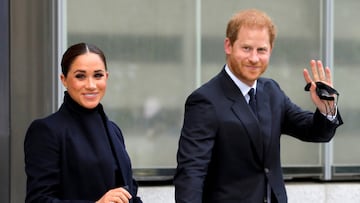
[{"x": 78, "y": 49}]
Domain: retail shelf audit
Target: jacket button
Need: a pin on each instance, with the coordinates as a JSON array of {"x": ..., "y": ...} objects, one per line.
[{"x": 266, "y": 170}]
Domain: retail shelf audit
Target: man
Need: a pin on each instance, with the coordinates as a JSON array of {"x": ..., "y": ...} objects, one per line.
[{"x": 229, "y": 152}]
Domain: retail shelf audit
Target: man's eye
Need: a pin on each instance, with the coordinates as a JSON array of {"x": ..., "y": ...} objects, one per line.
[
  {"x": 262, "y": 50},
  {"x": 246, "y": 48}
]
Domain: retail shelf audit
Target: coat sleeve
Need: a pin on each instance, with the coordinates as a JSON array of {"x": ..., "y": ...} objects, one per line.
[{"x": 42, "y": 164}]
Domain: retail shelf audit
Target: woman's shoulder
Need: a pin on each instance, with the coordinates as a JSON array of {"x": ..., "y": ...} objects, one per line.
[{"x": 54, "y": 121}]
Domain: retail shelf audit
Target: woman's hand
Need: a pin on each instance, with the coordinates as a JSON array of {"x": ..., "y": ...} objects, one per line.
[
  {"x": 117, "y": 195},
  {"x": 320, "y": 75}
]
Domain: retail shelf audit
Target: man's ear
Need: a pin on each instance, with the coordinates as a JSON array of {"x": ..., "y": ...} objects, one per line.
[{"x": 227, "y": 46}]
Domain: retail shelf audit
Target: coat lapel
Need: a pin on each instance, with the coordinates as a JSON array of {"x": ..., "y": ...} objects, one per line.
[{"x": 120, "y": 153}]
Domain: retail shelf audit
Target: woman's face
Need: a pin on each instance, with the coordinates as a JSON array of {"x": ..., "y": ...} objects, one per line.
[{"x": 86, "y": 80}]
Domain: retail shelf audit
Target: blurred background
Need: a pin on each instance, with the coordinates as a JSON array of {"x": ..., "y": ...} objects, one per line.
[{"x": 158, "y": 52}]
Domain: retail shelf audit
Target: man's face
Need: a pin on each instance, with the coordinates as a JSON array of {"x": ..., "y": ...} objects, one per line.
[{"x": 249, "y": 56}]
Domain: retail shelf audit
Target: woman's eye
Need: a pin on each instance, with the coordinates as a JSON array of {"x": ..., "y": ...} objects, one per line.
[
  {"x": 99, "y": 75},
  {"x": 80, "y": 76}
]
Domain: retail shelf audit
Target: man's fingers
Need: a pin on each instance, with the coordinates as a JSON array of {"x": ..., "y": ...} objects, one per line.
[
  {"x": 314, "y": 70},
  {"x": 320, "y": 71},
  {"x": 328, "y": 76},
  {"x": 307, "y": 76}
]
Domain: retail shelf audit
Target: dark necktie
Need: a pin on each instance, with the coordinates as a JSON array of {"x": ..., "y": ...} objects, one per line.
[{"x": 252, "y": 101}]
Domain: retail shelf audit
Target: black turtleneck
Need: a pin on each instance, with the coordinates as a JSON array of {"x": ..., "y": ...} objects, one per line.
[{"x": 93, "y": 121}]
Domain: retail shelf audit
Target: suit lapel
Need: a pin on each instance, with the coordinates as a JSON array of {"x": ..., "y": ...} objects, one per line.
[
  {"x": 264, "y": 113},
  {"x": 243, "y": 112}
]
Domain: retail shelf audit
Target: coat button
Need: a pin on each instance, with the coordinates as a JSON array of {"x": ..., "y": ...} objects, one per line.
[{"x": 266, "y": 170}]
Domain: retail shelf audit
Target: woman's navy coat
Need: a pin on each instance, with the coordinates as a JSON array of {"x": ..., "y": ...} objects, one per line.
[{"x": 70, "y": 156}]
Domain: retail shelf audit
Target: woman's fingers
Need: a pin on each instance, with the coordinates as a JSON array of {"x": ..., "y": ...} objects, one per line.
[
  {"x": 117, "y": 195},
  {"x": 122, "y": 195}
]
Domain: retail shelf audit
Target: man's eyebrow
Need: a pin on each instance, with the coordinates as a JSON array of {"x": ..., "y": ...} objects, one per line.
[{"x": 263, "y": 47}]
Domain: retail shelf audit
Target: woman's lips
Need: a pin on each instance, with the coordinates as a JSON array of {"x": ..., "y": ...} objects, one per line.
[{"x": 90, "y": 95}]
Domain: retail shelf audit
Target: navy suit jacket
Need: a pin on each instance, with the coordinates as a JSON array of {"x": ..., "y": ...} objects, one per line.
[
  {"x": 69, "y": 158},
  {"x": 226, "y": 154}
]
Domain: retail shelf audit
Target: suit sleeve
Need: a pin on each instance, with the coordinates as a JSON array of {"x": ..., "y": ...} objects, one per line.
[
  {"x": 195, "y": 149},
  {"x": 308, "y": 126}
]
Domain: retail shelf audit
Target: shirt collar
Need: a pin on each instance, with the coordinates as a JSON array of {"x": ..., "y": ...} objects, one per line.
[{"x": 242, "y": 86}]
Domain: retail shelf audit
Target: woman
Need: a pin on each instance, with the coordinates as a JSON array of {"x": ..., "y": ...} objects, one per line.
[{"x": 77, "y": 154}]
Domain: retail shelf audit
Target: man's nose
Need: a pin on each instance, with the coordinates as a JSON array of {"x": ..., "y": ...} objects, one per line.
[{"x": 254, "y": 57}]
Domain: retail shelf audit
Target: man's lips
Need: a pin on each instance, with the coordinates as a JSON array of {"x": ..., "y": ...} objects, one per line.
[{"x": 252, "y": 67}]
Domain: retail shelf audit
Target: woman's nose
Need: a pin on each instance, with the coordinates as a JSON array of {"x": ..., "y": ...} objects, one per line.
[{"x": 90, "y": 84}]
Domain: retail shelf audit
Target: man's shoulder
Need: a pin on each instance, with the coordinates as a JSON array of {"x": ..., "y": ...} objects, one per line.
[
  {"x": 265, "y": 80},
  {"x": 267, "y": 83},
  {"x": 212, "y": 86}
]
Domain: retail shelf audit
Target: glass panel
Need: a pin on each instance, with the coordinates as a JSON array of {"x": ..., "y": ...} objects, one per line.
[
  {"x": 150, "y": 50},
  {"x": 150, "y": 46},
  {"x": 346, "y": 63}
]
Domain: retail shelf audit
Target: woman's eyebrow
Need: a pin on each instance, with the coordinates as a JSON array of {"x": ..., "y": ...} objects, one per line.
[{"x": 79, "y": 70}]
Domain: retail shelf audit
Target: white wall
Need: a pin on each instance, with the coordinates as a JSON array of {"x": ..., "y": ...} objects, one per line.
[{"x": 297, "y": 193}]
